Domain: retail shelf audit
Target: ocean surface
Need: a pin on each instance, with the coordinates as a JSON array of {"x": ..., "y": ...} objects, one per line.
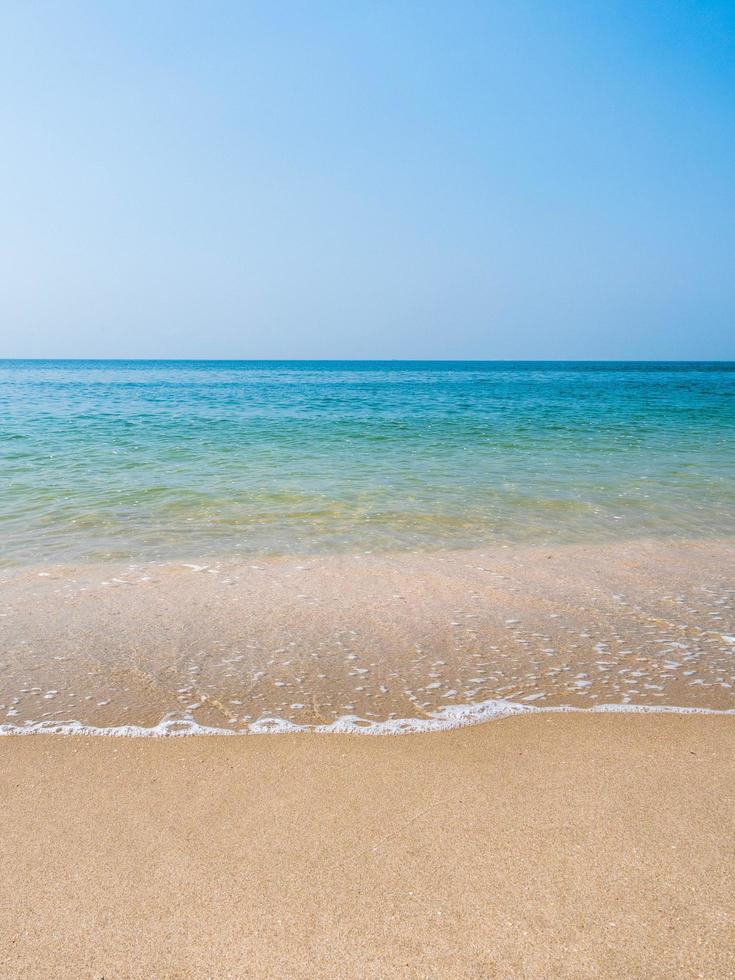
[
  {"x": 157, "y": 460},
  {"x": 374, "y": 546}
]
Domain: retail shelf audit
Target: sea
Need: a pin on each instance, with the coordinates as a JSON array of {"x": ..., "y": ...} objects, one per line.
[
  {"x": 378, "y": 547},
  {"x": 154, "y": 460}
]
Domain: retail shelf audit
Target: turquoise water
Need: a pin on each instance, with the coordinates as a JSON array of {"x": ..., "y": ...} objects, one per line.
[{"x": 156, "y": 459}]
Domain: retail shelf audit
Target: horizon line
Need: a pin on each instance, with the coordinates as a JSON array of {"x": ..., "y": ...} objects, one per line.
[{"x": 381, "y": 360}]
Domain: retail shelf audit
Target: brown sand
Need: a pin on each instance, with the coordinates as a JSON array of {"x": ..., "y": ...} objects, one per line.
[{"x": 542, "y": 846}]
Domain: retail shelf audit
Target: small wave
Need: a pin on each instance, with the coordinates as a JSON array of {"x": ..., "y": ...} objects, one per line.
[{"x": 455, "y": 716}]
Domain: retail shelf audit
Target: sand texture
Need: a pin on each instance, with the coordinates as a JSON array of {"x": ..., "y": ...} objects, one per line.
[{"x": 539, "y": 846}]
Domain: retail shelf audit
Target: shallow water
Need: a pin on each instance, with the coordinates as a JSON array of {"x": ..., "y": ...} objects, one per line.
[
  {"x": 168, "y": 460},
  {"x": 250, "y": 546},
  {"x": 379, "y": 643}
]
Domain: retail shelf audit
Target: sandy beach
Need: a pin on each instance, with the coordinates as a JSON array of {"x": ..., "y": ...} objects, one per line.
[
  {"x": 367, "y": 491},
  {"x": 548, "y": 845}
]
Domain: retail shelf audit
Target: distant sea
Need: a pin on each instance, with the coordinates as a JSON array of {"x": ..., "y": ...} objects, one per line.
[{"x": 165, "y": 459}]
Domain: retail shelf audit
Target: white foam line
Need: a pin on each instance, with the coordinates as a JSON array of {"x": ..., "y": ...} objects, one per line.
[{"x": 455, "y": 716}]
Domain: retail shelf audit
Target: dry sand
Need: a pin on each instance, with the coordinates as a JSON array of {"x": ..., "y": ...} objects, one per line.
[{"x": 540, "y": 846}]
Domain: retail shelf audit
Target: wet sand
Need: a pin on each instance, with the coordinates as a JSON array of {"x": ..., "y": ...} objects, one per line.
[
  {"x": 375, "y": 637},
  {"x": 538, "y": 846}
]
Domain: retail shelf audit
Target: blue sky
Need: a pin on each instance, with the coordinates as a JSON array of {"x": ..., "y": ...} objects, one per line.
[{"x": 489, "y": 179}]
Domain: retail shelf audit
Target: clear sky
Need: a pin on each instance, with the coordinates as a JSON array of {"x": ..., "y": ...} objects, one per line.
[{"x": 456, "y": 179}]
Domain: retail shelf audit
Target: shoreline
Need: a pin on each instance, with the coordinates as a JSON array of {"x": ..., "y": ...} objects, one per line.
[
  {"x": 339, "y": 642},
  {"x": 463, "y": 716},
  {"x": 563, "y": 844}
]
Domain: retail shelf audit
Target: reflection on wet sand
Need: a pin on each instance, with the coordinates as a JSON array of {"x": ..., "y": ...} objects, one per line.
[{"x": 377, "y": 638}]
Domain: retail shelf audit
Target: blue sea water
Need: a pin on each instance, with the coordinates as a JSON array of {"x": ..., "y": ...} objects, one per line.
[{"x": 164, "y": 459}]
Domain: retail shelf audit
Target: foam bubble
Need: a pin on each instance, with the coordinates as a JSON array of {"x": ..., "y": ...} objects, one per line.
[{"x": 444, "y": 719}]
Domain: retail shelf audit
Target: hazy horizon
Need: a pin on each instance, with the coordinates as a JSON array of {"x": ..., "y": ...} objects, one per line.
[{"x": 370, "y": 182}]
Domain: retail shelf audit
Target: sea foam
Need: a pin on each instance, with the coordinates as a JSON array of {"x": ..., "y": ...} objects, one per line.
[{"x": 454, "y": 716}]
